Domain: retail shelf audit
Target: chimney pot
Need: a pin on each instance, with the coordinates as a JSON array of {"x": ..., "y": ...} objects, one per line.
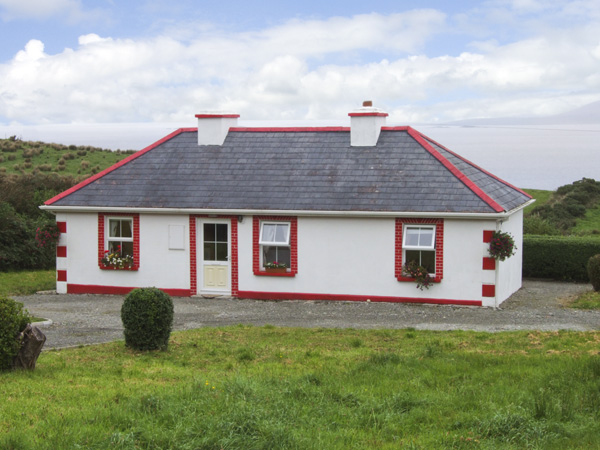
[{"x": 368, "y": 103}]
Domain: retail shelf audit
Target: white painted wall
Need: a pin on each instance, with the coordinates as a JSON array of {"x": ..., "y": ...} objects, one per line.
[
  {"x": 510, "y": 271},
  {"x": 159, "y": 265},
  {"x": 346, "y": 256},
  {"x": 340, "y": 256}
]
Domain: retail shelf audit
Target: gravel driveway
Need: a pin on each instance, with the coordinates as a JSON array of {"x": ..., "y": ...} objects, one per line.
[{"x": 90, "y": 319}]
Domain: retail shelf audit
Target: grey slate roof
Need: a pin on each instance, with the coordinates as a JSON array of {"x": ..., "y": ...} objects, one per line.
[{"x": 295, "y": 170}]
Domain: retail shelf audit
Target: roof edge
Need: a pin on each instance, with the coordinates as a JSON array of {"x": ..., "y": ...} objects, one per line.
[
  {"x": 271, "y": 212},
  {"x": 421, "y": 139},
  {"x": 116, "y": 166}
]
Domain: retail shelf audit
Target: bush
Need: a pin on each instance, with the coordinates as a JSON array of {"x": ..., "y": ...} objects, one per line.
[
  {"x": 13, "y": 320},
  {"x": 593, "y": 268},
  {"x": 557, "y": 257},
  {"x": 147, "y": 315}
]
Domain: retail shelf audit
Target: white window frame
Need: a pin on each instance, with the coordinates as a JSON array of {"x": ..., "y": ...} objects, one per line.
[
  {"x": 108, "y": 238},
  {"x": 274, "y": 243},
  {"x": 418, "y": 247},
  {"x": 263, "y": 243},
  {"x": 428, "y": 248}
]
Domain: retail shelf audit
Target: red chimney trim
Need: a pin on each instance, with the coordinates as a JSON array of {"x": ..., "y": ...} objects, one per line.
[
  {"x": 217, "y": 116},
  {"x": 374, "y": 114}
]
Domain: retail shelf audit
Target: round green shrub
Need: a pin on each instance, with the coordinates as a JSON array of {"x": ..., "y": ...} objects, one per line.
[
  {"x": 13, "y": 320},
  {"x": 593, "y": 268},
  {"x": 147, "y": 315}
]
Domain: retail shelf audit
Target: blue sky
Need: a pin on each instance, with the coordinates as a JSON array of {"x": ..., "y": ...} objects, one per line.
[{"x": 73, "y": 61}]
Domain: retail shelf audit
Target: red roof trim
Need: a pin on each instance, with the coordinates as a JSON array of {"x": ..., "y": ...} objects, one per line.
[
  {"x": 477, "y": 167},
  {"x": 454, "y": 170},
  {"x": 287, "y": 129},
  {"x": 217, "y": 116},
  {"x": 367, "y": 114},
  {"x": 117, "y": 165}
]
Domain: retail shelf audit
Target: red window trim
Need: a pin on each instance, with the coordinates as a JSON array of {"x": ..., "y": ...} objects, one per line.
[
  {"x": 256, "y": 220},
  {"x": 136, "y": 239},
  {"x": 439, "y": 246}
]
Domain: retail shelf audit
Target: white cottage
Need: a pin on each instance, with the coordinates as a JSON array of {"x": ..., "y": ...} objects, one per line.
[{"x": 219, "y": 209}]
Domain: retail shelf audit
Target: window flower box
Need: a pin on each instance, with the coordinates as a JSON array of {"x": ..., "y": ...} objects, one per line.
[{"x": 275, "y": 269}]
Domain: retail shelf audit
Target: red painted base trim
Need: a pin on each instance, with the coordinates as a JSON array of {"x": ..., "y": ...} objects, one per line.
[
  {"x": 118, "y": 290},
  {"x": 355, "y": 298}
]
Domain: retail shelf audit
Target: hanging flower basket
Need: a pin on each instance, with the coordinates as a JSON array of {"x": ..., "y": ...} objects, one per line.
[{"x": 502, "y": 246}]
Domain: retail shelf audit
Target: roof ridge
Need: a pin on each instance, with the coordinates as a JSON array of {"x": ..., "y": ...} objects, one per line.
[
  {"x": 117, "y": 165},
  {"x": 287, "y": 129},
  {"x": 506, "y": 183},
  {"x": 424, "y": 141}
]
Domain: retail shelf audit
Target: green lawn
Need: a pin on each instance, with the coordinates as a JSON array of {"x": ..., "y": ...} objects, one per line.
[
  {"x": 587, "y": 300},
  {"x": 265, "y": 387},
  {"x": 26, "y": 282}
]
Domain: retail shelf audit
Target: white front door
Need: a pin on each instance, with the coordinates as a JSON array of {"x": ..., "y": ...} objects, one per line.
[{"x": 213, "y": 255}]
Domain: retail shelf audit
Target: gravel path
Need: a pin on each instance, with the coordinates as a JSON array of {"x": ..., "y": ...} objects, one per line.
[{"x": 90, "y": 319}]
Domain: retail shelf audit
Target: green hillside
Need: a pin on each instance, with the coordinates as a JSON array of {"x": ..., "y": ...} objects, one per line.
[
  {"x": 26, "y": 157},
  {"x": 573, "y": 209}
]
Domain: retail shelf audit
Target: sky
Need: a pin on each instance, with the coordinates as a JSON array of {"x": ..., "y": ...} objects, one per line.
[{"x": 109, "y": 61}]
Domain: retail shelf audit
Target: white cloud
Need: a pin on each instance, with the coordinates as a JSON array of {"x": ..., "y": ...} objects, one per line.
[
  {"x": 39, "y": 9},
  {"x": 317, "y": 69}
]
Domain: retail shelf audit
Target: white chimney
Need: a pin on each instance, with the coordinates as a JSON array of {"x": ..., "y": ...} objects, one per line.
[
  {"x": 213, "y": 127},
  {"x": 365, "y": 125}
]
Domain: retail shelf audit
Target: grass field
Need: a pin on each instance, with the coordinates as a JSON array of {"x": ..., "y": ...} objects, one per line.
[
  {"x": 26, "y": 282},
  {"x": 282, "y": 388},
  {"x": 18, "y": 157}
]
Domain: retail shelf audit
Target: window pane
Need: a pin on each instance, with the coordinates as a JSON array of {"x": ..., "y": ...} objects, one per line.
[
  {"x": 114, "y": 228},
  {"x": 209, "y": 232},
  {"x": 127, "y": 248},
  {"x": 281, "y": 234},
  {"x": 126, "y": 231},
  {"x": 268, "y": 232},
  {"x": 222, "y": 251},
  {"x": 269, "y": 254},
  {"x": 283, "y": 256},
  {"x": 221, "y": 232},
  {"x": 209, "y": 251},
  {"x": 413, "y": 255},
  {"x": 426, "y": 237},
  {"x": 113, "y": 246},
  {"x": 428, "y": 260},
  {"x": 412, "y": 237}
]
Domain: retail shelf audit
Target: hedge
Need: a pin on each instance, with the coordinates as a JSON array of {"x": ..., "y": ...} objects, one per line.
[{"x": 558, "y": 257}]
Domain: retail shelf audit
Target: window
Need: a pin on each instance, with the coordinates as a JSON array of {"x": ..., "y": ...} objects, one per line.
[
  {"x": 419, "y": 246},
  {"x": 216, "y": 247},
  {"x": 119, "y": 233},
  {"x": 275, "y": 240},
  {"x": 422, "y": 241},
  {"x": 275, "y": 243},
  {"x": 120, "y": 236}
]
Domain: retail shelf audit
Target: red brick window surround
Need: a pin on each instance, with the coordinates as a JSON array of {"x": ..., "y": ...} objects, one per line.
[
  {"x": 256, "y": 246},
  {"x": 439, "y": 246},
  {"x": 103, "y": 219}
]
